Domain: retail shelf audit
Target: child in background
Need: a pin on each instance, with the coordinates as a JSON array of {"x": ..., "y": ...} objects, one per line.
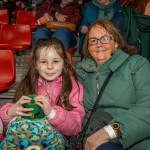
[{"x": 51, "y": 77}]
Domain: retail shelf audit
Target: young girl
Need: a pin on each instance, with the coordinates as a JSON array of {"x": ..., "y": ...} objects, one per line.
[{"x": 51, "y": 77}]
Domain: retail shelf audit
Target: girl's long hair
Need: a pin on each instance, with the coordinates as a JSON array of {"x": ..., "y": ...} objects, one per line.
[
  {"x": 29, "y": 83},
  {"x": 138, "y": 5},
  {"x": 110, "y": 29}
]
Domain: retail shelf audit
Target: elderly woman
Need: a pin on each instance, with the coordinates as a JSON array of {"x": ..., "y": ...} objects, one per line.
[{"x": 126, "y": 97}]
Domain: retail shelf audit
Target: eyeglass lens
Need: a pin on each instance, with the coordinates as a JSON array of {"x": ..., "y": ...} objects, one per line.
[{"x": 104, "y": 40}]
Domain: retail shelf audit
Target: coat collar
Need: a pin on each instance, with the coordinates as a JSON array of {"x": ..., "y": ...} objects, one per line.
[{"x": 89, "y": 65}]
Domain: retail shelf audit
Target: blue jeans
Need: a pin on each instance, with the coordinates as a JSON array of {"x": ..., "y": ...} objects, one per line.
[
  {"x": 67, "y": 37},
  {"x": 110, "y": 146}
]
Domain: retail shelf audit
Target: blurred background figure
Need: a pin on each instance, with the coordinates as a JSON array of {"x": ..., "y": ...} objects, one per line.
[
  {"x": 63, "y": 11},
  {"x": 137, "y": 25}
]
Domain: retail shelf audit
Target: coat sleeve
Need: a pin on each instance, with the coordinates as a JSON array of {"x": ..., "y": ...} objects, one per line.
[
  {"x": 3, "y": 113},
  {"x": 135, "y": 122},
  {"x": 70, "y": 122},
  {"x": 85, "y": 21},
  {"x": 76, "y": 16},
  {"x": 45, "y": 8}
]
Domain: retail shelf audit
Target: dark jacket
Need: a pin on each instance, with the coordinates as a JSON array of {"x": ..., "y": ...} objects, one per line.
[
  {"x": 137, "y": 30},
  {"x": 73, "y": 11}
]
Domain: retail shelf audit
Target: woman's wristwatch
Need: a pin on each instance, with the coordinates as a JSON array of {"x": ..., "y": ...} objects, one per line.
[
  {"x": 113, "y": 130},
  {"x": 116, "y": 128}
]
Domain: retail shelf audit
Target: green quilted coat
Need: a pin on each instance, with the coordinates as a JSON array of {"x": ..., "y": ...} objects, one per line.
[{"x": 126, "y": 97}]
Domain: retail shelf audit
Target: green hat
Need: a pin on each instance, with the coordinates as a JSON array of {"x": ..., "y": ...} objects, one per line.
[{"x": 37, "y": 113}]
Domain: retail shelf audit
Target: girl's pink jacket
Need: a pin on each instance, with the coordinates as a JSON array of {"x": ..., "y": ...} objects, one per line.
[{"x": 67, "y": 122}]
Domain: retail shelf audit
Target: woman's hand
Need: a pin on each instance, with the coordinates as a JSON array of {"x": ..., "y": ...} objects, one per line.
[
  {"x": 60, "y": 17},
  {"x": 48, "y": 17},
  {"x": 97, "y": 139},
  {"x": 84, "y": 29},
  {"x": 18, "y": 108},
  {"x": 44, "y": 104}
]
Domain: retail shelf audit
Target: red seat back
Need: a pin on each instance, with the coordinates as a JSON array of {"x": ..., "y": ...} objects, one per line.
[
  {"x": 7, "y": 69},
  {"x": 4, "y": 16},
  {"x": 15, "y": 37},
  {"x": 28, "y": 18}
]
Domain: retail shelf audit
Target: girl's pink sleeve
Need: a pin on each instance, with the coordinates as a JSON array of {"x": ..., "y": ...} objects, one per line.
[
  {"x": 70, "y": 122},
  {"x": 3, "y": 113}
]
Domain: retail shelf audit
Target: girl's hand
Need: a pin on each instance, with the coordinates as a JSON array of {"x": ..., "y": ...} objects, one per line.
[
  {"x": 60, "y": 17},
  {"x": 18, "y": 108},
  {"x": 97, "y": 139},
  {"x": 44, "y": 104},
  {"x": 84, "y": 29}
]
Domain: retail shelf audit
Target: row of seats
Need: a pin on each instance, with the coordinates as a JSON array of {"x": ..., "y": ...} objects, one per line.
[{"x": 15, "y": 37}]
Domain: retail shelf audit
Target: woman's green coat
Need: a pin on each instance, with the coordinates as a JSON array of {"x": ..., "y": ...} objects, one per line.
[{"x": 126, "y": 97}]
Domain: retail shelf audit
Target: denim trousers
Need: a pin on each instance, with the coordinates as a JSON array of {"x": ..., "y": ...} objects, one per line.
[
  {"x": 67, "y": 37},
  {"x": 110, "y": 146}
]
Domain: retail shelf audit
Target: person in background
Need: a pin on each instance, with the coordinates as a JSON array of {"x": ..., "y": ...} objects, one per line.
[
  {"x": 33, "y": 5},
  {"x": 51, "y": 78},
  {"x": 137, "y": 25},
  {"x": 64, "y": 11},
  {"x": 126, "y": 97},
  {"x": 101, "y": 10}
]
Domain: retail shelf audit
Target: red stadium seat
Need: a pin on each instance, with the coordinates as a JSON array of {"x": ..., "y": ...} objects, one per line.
[
  {"x": 28, "y": 18},
  {"x": 69, "y": 57},
  {"x": 15, "y": 37},
  {"x": 4, "y": 16},
  {"x": 7, "y": 69}
]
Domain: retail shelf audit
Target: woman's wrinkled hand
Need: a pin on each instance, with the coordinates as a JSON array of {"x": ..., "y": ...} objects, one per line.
[
  {"x": 44, "y": 103},
  {"x": 18, "y": 108},
  {"x": 60, "y": 17},
  {"x": 98, "y": 138},
  {"x": 48, "y": 17}
]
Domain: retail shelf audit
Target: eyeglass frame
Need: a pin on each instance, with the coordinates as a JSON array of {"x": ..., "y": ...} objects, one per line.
[{"x": 97, "y": 40}]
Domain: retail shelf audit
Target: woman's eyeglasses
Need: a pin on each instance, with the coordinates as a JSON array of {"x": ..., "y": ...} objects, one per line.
[{"x": 104, "y": 40}]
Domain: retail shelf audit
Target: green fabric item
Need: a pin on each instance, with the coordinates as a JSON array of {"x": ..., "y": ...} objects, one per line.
[
  {"x": 126, "y": 97},
  {"x": 106, "y": 12},
  {"x": 37, "y": 113},
  {"x": 137, "y": 30}
]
